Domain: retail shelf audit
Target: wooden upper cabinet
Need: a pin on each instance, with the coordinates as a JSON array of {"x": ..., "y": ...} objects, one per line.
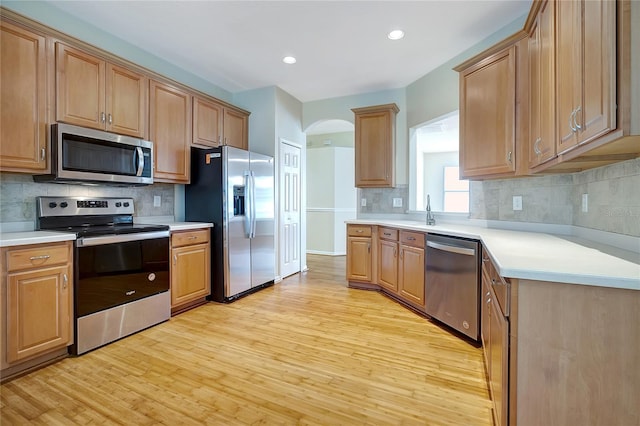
[
  {"x": 126, "y": 100},
  {"x": 94, "y": 93},
  {"x": 207, "y": 122},
  {"x": 23, "y": 121},
  {"x": 586, "y": 72},
  {"x": 488, "y": 116},
  {"x": 236, "y": 128},
  {"x": 375, "y": 130},
  {"x": 542, "y": 99},
  {"x": 170, "y": 131}
]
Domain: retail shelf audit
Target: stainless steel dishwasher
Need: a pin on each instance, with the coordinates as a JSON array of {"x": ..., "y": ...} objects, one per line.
[{"x": 452, "y": 282}]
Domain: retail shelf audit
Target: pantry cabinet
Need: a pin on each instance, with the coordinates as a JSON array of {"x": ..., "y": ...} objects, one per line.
[
  {"x": 190, "y": 269},
  {"x": 586, "y": 71},
  {"x": 375, "y": 130},
  {"x": 94, "y": 93},
  {"x": 542, "y": 123},
  {"x": 23, "y": 114},
  {"x": 37, "y": 302},
  {"x": 170, "y": 130}
]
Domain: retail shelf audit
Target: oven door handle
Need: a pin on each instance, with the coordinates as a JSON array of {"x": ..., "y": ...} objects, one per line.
[
  {"x": 120, "y": 238},
  {"x": 451, "y": 249}
]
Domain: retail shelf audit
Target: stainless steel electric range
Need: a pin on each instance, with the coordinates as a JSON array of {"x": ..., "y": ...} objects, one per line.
[{"x": 121, "y": 269}]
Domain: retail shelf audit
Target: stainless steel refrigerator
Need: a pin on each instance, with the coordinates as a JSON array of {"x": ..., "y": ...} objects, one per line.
[{"x": 233, "y": 189}]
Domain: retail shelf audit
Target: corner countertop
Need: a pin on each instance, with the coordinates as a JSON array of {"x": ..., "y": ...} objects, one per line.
[
  {"x": 10, "y": 239},
  {"x": 540, "y": 256}
]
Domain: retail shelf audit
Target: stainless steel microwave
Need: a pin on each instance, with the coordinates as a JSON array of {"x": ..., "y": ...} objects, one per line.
[{"x": 82, "y": 155}]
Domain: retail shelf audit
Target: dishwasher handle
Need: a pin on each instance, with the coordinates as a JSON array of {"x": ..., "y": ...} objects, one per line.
[{"x": 451, "y": 249}]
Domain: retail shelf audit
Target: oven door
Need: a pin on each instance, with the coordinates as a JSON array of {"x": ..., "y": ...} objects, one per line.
[{"x": 117, "y": 269}]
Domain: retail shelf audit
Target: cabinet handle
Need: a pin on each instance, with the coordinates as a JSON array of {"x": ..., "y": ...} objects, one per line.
[
  {"x": 175, "y": 259},
  {"x": 359, "y": 231},
  {"x": 571, "y": 116},
  {"x": 401, "y": 251},
  {"x": 65, "y": 280},
  {"x": 369, "y": 248},
  {"x": 535, "y": 146},
  {"x": 219, "y": 140},
  {"x": 44, "y": 256},
  {"x": 485, "y": 259},
  {"x": 103, "y": 117},
  {"x": 388, "y": 234},
  {"x": 110, "y": 119},
  {"x": 43, "y": 154},
  {"x": 411, "y": 238},
  {"x": 575, "y": 121},
  {"x": 192, "y": 237},
  {"x": 395, "y": 252},
  {"x": 509, "y": 156}
]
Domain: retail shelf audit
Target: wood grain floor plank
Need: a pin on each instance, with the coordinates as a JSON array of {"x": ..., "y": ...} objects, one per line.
[{"x": 307, "y": 351}]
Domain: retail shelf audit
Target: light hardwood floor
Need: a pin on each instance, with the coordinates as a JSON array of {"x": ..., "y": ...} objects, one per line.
[{"x": 306, "y": 351}]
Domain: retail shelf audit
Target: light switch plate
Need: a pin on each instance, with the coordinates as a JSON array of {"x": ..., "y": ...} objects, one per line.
[
  {"x": 397, "y": 202},
  {"x": 517, "y": 202},
  {"x": 585, "y": 203},
  {"x": 363, "y": 202},
  {"x": 156, "y": 201}
]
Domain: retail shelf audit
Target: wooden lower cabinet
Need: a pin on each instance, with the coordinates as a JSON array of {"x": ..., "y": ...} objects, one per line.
[
  {"x": 190, "y": 269},
  {"x": 359, "y": 253},
  {"x": 37, "y": 304},
  {"x": 411, "y": 275}
]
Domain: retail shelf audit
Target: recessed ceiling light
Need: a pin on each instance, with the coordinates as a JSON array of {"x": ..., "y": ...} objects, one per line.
[
  {"x": 289, "y": 60},
  {"x": 396, "y": 35}
]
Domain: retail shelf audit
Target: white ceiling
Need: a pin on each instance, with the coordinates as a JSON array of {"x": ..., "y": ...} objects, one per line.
[{"x": 341, "y": 46}]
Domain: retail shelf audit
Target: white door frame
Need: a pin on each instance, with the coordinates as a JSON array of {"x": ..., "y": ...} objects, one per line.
[{"x": 303, "y": 203}]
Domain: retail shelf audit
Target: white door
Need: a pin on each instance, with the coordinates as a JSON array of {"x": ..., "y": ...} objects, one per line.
[{"x": 289, "y": 209}]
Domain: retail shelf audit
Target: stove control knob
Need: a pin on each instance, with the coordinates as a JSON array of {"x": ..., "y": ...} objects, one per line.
[
  {"x": 118, "y": 204},
  {"x": 126, "y": 204},
  {"x": 53, "y": 205},
  {"x": 63, "y": 204}
]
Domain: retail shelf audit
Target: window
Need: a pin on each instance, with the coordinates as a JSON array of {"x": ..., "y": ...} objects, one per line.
[{"x": 434, "y": 169}]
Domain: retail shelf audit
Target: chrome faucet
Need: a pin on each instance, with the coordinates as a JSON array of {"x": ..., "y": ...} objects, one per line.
[{"x": 430, "y": 219}]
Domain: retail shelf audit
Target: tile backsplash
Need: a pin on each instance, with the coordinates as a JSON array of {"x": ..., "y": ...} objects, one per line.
[
  {"x": 18, "y": 194},
  {"x": 613, "y": 203}
]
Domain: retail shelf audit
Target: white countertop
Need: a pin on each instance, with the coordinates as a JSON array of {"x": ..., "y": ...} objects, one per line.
[
  {"x": 9, "y": 239},
  {"x": 542, "y": 257}
]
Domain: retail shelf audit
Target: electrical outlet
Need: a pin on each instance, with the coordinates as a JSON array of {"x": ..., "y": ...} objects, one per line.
[
  {"x": 517, "y": 202},
  {"x": 585, "y": 203},
  {"x": 156, "y": 201},
  {"x": 363, "y": 202},
  {"x": 397, "y": 202}
]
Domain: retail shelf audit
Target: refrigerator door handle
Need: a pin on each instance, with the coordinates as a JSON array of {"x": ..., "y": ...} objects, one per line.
[
  {"x": 248, "y": 203},
  {"x": 252, "y": 209}
]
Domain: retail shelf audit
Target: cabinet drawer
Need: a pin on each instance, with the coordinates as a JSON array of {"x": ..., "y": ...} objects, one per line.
[
  {"x": 388, "y": 234},
  {"x": 199, "y": 236},
  {"x": 359, "y": 230},
  {"x": 36, "y": 257},
  {"x": 414, "y": 239}
]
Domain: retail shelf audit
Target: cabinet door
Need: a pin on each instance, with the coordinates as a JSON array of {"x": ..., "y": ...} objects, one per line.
[
  {"x": 375, "y": 148},
  {"x": 236, "y": 125},
  {"x": 388, "y": 264},
  {"x": 485, "y": 327},
  {"x": 38, "y": 311},
  {"x": 542, "y": 129},
  {"x": 23, "y": 121},
  {"x": 487, "y": 116},
  {"x": 499, "y": 345},
  {"x": 190, "y": 274},
  {"x": 411, "y": 275},
  {"x": 586, "y": 79},
  {"x": 126, "y": 101},
  {"x": 207, "y": 123},
  {"x": 170, "y": 130},
  {"x": 359, "y": 259},
  {"x": 80, "y": 88}
]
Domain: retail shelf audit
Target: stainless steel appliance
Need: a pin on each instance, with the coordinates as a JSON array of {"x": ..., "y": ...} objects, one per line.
[
  {"x": 452, "y": 282},
  {"x": 82, "y": 155},
  {"x": 233, "y": 189},
  {"x": 121, "y": 269}
]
